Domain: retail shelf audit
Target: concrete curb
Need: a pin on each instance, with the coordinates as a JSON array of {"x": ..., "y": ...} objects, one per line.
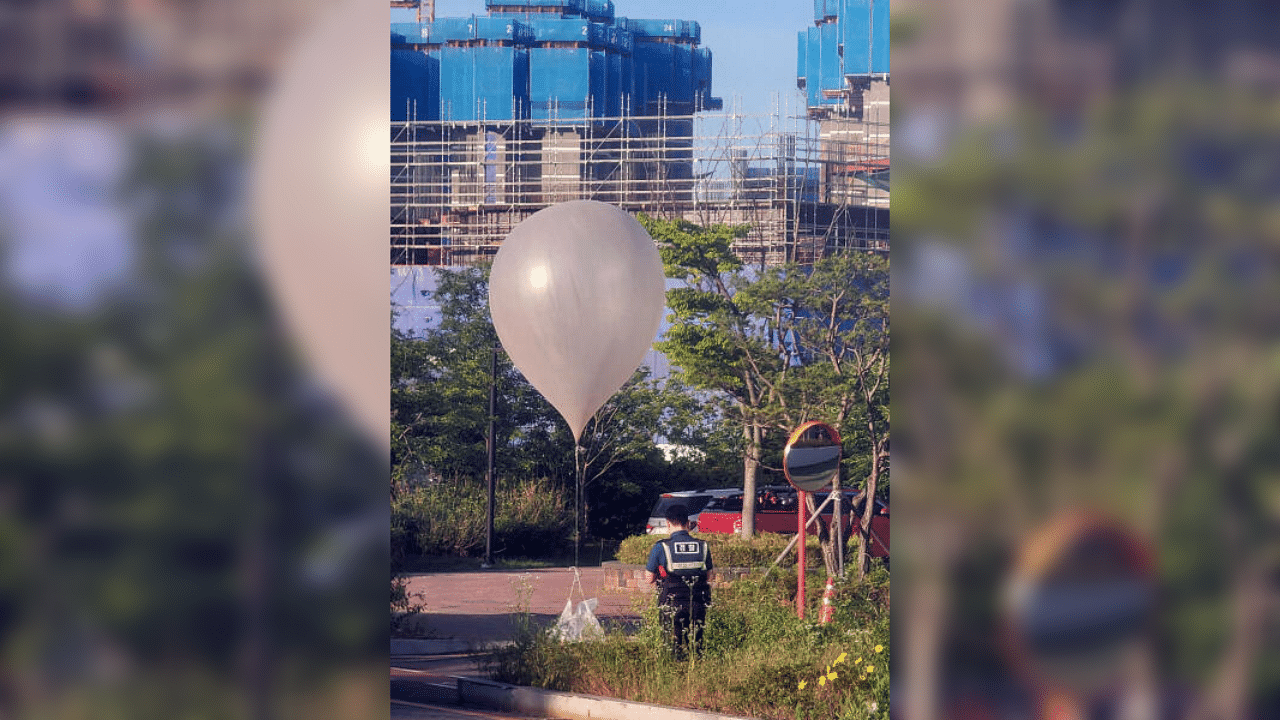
[
  {"x": 571, "y": 706},
  {"x": 410, "y": 646}
]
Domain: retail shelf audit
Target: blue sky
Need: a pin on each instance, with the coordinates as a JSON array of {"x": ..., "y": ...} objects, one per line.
[
  {"x": 753, "y": 42},
  {"x": 64, "y": 238}
]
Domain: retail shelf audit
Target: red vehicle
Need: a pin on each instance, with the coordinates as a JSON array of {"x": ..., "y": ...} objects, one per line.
[{"x": 776, "y": 512}]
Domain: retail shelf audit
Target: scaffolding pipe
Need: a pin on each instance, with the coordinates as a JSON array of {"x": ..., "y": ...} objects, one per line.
[{"x": 802, "y": 192}]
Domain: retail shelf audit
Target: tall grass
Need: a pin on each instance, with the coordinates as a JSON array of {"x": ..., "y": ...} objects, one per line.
[
  {"x": 756, "y": 656},
  {"x": 532, "y": 518}
]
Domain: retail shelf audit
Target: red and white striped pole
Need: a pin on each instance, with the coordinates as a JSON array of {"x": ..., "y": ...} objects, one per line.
[{"x": 827, "y": 595}]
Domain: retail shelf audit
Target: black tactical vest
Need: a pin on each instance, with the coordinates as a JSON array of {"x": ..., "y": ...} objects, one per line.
[{"x": 686, "y": 570}]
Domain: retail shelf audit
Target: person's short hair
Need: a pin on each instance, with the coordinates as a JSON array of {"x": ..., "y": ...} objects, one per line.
[{"x": 678, "y": 514}]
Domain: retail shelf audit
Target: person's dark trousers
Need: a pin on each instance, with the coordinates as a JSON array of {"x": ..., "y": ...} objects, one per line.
[{"x": 684, "y": 620}]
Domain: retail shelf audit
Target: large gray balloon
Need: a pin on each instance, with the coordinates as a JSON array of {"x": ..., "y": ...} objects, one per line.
[
  {"x": 320, "y": 192},
  {"x": 576, "y": 294}
]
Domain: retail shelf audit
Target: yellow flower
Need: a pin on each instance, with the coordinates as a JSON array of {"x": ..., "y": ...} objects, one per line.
[
  {"x": 832, "y": 676},
  {"x": 841, "y": 658},
  {"x": 879, "y": 648},
  {"x": 855, "y": 662},
  {"x": 871, "y": 668},
  {"x": 822, "y": 681},
  {"x": 803, "y": 683}
]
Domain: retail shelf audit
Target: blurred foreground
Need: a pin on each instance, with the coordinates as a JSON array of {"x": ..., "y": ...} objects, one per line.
[
  {"x": 194, "y": 525},
  {"x": 1085, "y": 303}
]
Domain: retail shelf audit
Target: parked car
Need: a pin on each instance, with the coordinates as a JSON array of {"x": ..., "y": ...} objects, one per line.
[
  {"x": 693, "y": 500},
  {"x": 776, "y": 512}
]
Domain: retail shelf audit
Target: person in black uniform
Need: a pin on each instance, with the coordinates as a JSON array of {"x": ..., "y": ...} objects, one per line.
[{"x": 681, "y": 565}]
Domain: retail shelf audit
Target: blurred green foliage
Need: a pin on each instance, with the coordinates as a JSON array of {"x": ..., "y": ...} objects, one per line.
[
  {"x": 185, "y": 508},
  {"x": 1111, "y": 346}
]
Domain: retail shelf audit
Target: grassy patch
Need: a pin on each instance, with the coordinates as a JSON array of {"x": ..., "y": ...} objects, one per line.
[
  {"x": 758, "y": 659},
  {"x": 532, "y": 517}
]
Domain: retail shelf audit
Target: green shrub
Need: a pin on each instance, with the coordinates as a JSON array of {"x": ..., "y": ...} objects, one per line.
[
  {"x": 728, "y": 550},
  {"x": 532, "y": 518}
]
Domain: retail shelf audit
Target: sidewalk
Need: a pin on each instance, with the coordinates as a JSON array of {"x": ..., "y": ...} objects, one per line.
[{"x": 482, "y": 606}]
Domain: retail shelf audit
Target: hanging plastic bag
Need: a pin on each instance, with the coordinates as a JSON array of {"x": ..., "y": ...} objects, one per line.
[{"x": 578, "y": 622}]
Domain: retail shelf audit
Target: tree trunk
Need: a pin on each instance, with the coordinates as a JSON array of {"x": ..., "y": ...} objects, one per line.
[
  {"x": 750, "y": 470},
  {"x": 825, "y": 537},
  {"x": 925, "y": 625},
  {"x": 1251, "y": 604}
]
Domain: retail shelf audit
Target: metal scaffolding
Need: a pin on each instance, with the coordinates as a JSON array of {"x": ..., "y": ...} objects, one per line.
[{"x": 807, "y": 187}]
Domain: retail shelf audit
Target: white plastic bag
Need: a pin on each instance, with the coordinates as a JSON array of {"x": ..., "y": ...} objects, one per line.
[{"x": 578, "y": 623}]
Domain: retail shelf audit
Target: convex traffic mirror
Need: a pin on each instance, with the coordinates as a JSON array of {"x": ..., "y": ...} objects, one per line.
[
  {"x": 1081, "y": 594},
  {"x": 811, "y": 459}
]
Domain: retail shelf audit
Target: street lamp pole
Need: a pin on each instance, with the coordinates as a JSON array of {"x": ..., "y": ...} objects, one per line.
[{"x": 491, "y": 451}]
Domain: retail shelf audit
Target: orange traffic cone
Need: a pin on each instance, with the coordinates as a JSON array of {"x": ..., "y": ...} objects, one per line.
[{"x": 824, "y": 616}]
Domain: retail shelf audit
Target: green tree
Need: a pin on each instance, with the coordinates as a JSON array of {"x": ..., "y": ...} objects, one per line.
[
  {"x": 829, "y": 325},
  {"x": 783, "y": 346},
  {"x": 166, "y": 464},
  {"x": 714, "y": 343},
  {"x": 440, "y": 389},
  {"x": 439, "y": 392},
  {"x": 413, "y": 403},
  {"x": 626, "y": 427},
  {"x": 839, "y": 324}
]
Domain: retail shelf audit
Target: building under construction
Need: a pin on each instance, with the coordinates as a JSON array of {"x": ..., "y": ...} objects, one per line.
[{"x": 544, "y": 101}]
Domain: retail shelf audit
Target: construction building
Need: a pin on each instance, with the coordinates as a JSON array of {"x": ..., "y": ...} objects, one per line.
[
  {"x": 543, "y": 101},
  {"x": 842, "y": 65}
]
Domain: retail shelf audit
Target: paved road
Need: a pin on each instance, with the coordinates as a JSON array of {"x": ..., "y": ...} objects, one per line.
[
  {"x": 403, "y": 710},
  {"x": 483, "y": 605}
]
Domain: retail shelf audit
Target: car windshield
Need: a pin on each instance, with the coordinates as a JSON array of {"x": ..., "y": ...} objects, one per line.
[
  {"x": 726, "y": 504},
  {"x": 846, "y": 496},
  {"x": 775, "y": 498}
]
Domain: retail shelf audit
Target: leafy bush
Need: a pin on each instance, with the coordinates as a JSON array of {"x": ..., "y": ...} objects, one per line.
[
  {"x": 728, "y": 550},
  {"x": 531, "y": 518},
  {"x": 758, "y": 658}
]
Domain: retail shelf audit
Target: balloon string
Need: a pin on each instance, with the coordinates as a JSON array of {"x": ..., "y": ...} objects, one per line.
[{"x": 577, "y": 500}]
